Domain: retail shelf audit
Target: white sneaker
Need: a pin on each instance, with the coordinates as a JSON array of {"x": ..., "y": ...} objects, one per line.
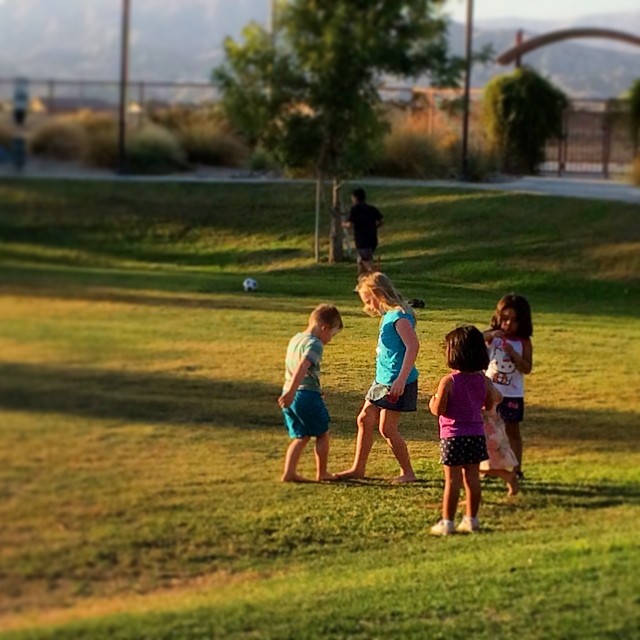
[
  {"x": 468, "y": 525},
  {"x": 443, "y": 528}
]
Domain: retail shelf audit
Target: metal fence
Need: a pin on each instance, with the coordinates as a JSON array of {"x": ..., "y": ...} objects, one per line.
[{"x": 596, "y": 140}]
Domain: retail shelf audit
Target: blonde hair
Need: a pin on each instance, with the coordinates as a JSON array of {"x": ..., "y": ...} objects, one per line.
[
  {"x": 379, "y": 286},
  {"x": 326, "y": 314}
]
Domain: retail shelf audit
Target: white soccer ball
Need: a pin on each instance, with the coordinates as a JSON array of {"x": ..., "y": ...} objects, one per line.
[{"x": 250, "y": 284}]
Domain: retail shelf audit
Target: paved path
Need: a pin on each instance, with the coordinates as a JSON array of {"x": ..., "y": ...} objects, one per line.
[{"x": 590, "y": 188}]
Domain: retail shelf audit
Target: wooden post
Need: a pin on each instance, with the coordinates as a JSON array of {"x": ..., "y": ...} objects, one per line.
[
  {"x": 336, "y": 253},
  {"x": 317, "y": 228}
]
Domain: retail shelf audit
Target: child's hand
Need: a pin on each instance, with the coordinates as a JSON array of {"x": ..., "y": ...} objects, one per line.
[
  {"x": 396, "y": 390},
  {"x": 286, "y": 399}
]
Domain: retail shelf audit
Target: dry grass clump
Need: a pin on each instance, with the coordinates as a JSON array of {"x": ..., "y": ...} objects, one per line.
[
  {"x": 635, "y": 172},
  {"x": 204, "y": 133},
  {"x": 410, "y": 153},
  {"x": 6, "y": 135},
  {"x": 154, "y": 150},
  {"x": 206, "y": 144},
  {"x": 59, "y": 139}
]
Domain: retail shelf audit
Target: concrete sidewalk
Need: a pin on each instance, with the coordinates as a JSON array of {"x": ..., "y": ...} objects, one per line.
[{"x": 587, "y": 188}]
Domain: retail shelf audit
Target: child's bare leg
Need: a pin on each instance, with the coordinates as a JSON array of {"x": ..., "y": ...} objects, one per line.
[
  {"x": 452, "y": 484},
  {"x": 508, "y": 476},
  {"x": 388, "y": 428},
  {"x": 291, "y": 459},
  {"x": 322, "y": 455},
  {"x": 471, "y": 476},
  {"x": 367, "y": 419},
  {"x": 515, "y": 440}
]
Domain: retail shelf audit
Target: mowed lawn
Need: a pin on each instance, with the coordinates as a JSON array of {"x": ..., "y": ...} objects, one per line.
[{"x": 141, "y": 444}]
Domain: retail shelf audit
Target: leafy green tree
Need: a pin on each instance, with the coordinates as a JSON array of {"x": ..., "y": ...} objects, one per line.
[
  {"x": 522, "y": 110},
  {"x": 634, "y": 114},
  {"x": 309, "y": 93}
]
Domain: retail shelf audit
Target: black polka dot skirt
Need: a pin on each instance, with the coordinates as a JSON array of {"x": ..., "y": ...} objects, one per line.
[{"x": 461, "y": 450}]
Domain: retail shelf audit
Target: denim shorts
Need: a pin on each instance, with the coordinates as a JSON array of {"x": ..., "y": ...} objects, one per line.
[
  {"x": 378, "y": 394},
  {"x": 307, "y": 415},
  {"x": 511, "y": 409}
]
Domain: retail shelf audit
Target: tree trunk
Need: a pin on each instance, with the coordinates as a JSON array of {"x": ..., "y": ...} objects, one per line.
[{"x": 336, "y": 253}]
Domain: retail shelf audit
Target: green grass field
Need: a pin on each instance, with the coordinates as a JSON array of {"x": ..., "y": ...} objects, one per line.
[{"x": 141, "y": 444}]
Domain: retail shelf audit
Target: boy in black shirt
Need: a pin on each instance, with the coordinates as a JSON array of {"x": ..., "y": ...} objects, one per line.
[{"x": 364, "y": 219}]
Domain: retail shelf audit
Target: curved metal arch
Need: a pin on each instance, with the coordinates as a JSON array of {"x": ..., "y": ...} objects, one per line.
[{"x": 513, "y": 54}]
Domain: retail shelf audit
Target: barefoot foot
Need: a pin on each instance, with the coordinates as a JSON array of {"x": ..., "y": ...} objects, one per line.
[
  {"x": 327, "y": 477},
  {"x": 405, "y": 479},
  {"x": 294, "y": 477},
  {"x": 350, "y": 474},
  {"x": 513, "y": 485}
]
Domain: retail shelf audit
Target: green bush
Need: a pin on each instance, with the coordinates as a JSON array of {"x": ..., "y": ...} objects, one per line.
[
  {"x": 154, "y": 150},
  {"x": 521, "y": 111},
  {"x": 59, "y": 139},
  {"x": 635, "y": 172},
  {"x": 634, "y": 113},
  {"x": 262, "y": 160},
  {"x": 411, "y": 154},
  {"x": 204, "y": 143}
]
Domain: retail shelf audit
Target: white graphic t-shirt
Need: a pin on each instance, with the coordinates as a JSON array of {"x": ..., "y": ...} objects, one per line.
[{"x": 502, "y": 370}]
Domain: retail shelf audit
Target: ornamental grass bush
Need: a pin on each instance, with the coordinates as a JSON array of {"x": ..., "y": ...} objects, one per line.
[
  {"x": 408, "y": 153},
  {"x": 154, "y": 150},
  {"x": 102, "y": 147},
  {"x": 6, "y": 135},
  {"x": 204, "y": 143},
  {"x": 635, "y": 172},
  {"x": 59, "y": 139}
]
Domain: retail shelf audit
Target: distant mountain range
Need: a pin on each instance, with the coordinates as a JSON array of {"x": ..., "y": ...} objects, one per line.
[{"x": 181, "y": 40}]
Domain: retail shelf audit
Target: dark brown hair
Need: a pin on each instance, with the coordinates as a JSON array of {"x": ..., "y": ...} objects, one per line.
[
  {"x": 327, "y": 314},
  {"x": 466, "y": 350},
  {"x": 523, "y": 314}
]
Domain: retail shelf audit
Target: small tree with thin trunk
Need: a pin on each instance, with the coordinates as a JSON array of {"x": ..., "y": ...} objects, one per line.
[{"x": 310, "y": 92}]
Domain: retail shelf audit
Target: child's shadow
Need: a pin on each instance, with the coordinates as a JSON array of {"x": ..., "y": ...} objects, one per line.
[{"x": 589, "y": 495}]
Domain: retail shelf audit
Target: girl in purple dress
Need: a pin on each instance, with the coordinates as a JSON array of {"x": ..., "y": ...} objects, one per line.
[{"x": 458, "y": 403}]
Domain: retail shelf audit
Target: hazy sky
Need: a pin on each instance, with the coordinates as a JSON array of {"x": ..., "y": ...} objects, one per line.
[{"x": 542, "y": 9}]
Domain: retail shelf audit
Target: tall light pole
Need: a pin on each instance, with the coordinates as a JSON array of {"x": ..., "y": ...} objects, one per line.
[
  {"x": 124, "y": 79},
  {"x": 273, "y": 13},
  {"x": 467, "y": 92}
]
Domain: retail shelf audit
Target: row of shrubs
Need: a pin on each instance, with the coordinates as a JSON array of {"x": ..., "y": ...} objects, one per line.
[
  {"x": 152, "y": 147},
  {"x": 177, "y": 138}
]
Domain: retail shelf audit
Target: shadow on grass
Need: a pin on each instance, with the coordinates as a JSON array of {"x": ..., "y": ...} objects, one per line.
[
  {"x": 187, "y": 399},
  {"x": 137, "y": 397},
  {"x": 591, "y": 495}
]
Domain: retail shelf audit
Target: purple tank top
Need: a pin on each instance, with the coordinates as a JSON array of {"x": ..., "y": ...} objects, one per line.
[{"x": 463, "y": 416}]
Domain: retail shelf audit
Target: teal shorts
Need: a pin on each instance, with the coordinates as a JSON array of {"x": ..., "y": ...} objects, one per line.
[{"x": 307, "y": 415}]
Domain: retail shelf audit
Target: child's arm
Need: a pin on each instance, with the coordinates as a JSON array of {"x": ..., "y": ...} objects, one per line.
[
  {"x": 301, "y": 371},
  {"x": 490, "y": 334},
  {"x": 493, "y": 396},
  {"x": 438, "y": 402},
  {"x": 523, "y": 362},
  {"x": 410, "y": 339}
]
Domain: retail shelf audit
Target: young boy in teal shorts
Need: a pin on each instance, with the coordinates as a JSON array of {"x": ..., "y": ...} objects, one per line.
[{"x": 303, "y": 408}]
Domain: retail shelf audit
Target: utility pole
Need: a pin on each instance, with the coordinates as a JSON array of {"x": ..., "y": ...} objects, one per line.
[
  {"x": 124, "y": 80},
  {"x": 467, "y": 91},
  {"x": 273, "y": 11}
]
